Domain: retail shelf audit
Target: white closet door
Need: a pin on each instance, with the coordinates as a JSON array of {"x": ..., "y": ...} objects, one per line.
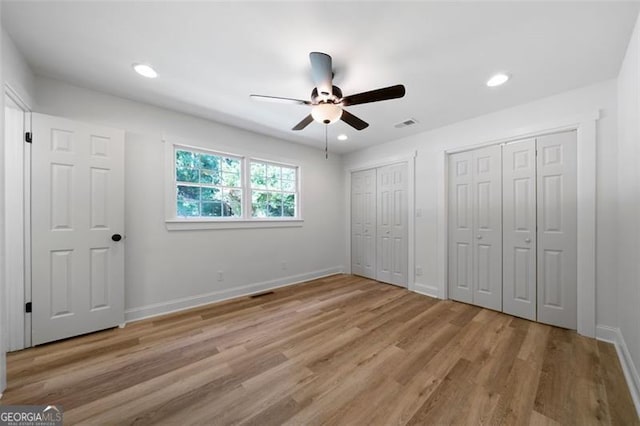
[
  {"x": 519, "y": 229},
  {"x": 487, "y": 218},
  {"x": 392, "y": 216},
  {"x": 557, "y": 228},
  {"x": 363, "y": 223},
  {"x": 77, "y": 209},
  {"x": 460, "y": 227}
]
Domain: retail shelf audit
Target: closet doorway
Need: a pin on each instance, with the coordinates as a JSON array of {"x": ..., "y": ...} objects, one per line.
[
  {"x": 379, "y": 224},
  {"x": 513, "y": 228}
]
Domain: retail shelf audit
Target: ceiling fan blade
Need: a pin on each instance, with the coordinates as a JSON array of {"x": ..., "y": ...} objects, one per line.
[
  {"x": 353, "y": 121},
  {"x": 384, "y": 94},
  {"x": 279, "y": 100},
  {"x": 322, "y": 72},
  {"x": 304, "y": 123}
]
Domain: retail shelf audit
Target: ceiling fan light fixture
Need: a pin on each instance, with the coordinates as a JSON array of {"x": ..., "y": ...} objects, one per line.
[{"x": 326, "y": 113}]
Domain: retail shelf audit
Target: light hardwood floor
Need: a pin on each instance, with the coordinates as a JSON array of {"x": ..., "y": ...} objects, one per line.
[{"x": 340, "y": 350}]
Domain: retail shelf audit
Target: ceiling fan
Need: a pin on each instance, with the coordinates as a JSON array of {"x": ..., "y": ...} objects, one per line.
[{"x": 327, "y": 103}]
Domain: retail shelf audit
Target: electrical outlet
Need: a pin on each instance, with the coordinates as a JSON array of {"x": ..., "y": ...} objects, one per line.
[
  {"x": 220, "y": 276},
  {"x": 418, "y": 270}
]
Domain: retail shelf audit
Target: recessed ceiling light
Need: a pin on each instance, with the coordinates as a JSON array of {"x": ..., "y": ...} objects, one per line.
[
  {"x": 498, "y": 80},
  {"x": 342, "y": 137},
  {"x": 145, "y": 70}
]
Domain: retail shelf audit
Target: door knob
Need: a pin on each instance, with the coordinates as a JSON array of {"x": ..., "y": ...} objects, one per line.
[
  {"x": 366, "y": 231},
  {"x": 479, "y": 237},
  {"x": 527, "y": 240},
  {"x": 388, "y": 232},
  {"x": 116, "y": 237}
]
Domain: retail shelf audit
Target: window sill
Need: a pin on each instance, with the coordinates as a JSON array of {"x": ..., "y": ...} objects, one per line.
[{"x": 201, "y": 224}]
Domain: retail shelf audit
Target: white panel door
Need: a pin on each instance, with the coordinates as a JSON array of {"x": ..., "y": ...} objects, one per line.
[
  {"x": 392, "y": 216},
  {"x": 519, "y": 229},
  {"x": 460, "y": 256},
  {"x": 363, "y": 223},
  {"x": 557, "y": 228},
  {"x": 77, "y": 206},
  {"x": 487, "y": 220}
]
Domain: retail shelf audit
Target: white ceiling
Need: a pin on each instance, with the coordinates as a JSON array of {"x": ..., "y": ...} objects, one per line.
[{"x": 212, "y": 55}]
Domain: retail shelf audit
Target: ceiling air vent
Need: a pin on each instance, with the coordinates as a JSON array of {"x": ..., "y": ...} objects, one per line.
[{"x": 405, "y": 123}]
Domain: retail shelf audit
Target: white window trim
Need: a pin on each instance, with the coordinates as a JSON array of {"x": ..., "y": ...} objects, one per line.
[{"x": 175, "y": 223}]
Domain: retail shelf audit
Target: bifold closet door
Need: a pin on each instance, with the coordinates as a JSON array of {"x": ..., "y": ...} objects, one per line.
[
  {"x": 475, "y": 227},
  {"x": 519, "y": 229},
  {"x": 392, "y": 229},
  {"x": 487, "y": 218},
  {"x": 557, "y": 229},
  {"x": 461, "y": 227},
  {"x": 363, "y": 223}
]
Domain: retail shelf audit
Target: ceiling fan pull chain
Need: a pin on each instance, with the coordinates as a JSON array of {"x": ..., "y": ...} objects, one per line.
[{"x": 326, "y": 142}]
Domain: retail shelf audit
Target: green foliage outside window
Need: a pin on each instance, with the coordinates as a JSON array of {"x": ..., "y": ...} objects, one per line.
[
  {"x": 274, "y": 190},
  {"x": 211, "y": 185}
]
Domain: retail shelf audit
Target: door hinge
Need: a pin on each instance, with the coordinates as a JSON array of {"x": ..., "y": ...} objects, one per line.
[
  {"x": 28, "y": 137},
  {"x": 27, "y": 307}
]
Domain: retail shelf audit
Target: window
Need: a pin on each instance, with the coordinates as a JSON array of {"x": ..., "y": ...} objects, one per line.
[
  {"x": 274, "y": 190},
  {"x": 212, "y": 187},
  {"x": 208, "y": 185}
]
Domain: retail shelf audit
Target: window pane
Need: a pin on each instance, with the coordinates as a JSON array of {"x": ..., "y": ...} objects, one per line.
[
  {"x": 186, "y": 159},
  {"x": 231, "y": 165},
  {"x": 209, "y": 162},
  {"x": 184, "y": 174},
  {"x": 289, "y": 205},
  {"x": 288, "y": 173},
  {"x": 210, "y": 194},
  {"x": 259, "y": 204},
  {"x": 273, "y": 177},
  {"x": 212, "y": 209},
  {"x": 232, "y": 203},
  {"x": 209, "y": 176},
  {"x": 190, "y": 192},
  {"x": 230, "y": 179},
  {"x": 258, "y": 175},
  {"x": 289, "y": 185},
  {"x": 188, "y": 208},
  {"x": 275, "y": 205}
]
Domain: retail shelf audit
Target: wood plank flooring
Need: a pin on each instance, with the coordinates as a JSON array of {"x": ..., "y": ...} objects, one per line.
[{"x": 340, "y": 350}]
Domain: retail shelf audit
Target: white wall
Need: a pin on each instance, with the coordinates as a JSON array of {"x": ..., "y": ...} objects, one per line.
[
  {"x": 503, "y": 124},
  {"x": 17, "y": 73},
  {"x": 629, "y": 205},
  {"x": 163, "y": 265}
]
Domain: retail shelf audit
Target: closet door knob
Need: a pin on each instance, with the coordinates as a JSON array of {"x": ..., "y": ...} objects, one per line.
[
  {"x": 527, "y": 240},
  {"x": 116, "y": 237},
  {"x": 479, "y": 237}
]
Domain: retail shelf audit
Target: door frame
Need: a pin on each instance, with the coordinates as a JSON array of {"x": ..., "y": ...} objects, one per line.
[
  {"x": 586, "y": 132},
  {"x": 410, "y": 160},
  {"x": 19, "y": 251}
]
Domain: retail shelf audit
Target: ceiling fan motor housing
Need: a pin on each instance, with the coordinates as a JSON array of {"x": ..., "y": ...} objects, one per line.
[{"x": 334, "y": 98}]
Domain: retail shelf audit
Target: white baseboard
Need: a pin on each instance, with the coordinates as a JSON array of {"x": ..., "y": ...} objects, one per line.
[
  {"x": 427, "y": 290},
  {"x": 162, "y": 308},
  {"x": 614, "y": 335}
]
